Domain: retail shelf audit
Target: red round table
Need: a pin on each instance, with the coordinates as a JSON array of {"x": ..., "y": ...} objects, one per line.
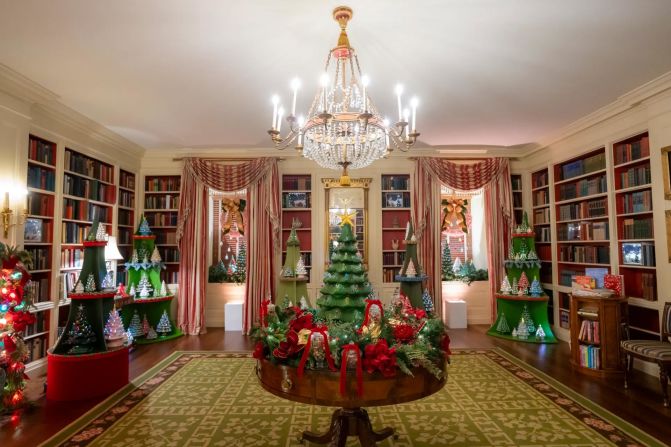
[{"x": 322, "y": 387}]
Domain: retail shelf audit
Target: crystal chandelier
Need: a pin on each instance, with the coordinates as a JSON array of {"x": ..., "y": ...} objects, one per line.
[{"x": 343, "y": 129}]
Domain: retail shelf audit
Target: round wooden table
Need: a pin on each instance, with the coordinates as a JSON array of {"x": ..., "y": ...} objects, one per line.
[{"x": 322, "y": 387}]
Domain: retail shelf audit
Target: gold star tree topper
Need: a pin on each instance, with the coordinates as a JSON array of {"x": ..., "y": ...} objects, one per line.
[{"x": 347, "y": 218}]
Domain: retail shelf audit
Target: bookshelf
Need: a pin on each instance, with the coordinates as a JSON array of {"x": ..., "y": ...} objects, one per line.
[
  {"x": 161, "y": 205},
  {"x": 38, "y": 241},
  {"x": 518, "y": 208},
  {"x": 396, "y": 206},
  {"x": 125, "y": 219},
  {"x": 581, "y": 216},
  {"x": 540, "y": 217},
  {"x": 297, "y": 205},
  {"x": 595, "y": 338}
]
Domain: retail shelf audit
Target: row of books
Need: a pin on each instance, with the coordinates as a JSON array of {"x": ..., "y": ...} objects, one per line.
[
  {"x": 169, "y": 254},
  {"x": 82, "y": 210},
  {"x": 517, "y": 199},
  {"x": 583, "y": 231},
  {"x": 590, "y": 356},
  {"x": 162, "y": 219},
  {"x": 541, "y": 197},
  {"x": 637, "y": 228},
  {"x": 73, "y": 232},
  {"x": 632, "y": 151},
  {"x": 582, "y": 188},
  {"x": 166, "y": 237},
  {"x": 389, "y": 273},
  {"x": 42, "y": 151},
  {"x": 40, "y": 324},
  {"x": 41, "y": 258},
  {"x": 68, "y": 281},
  {"x": 127, "y": 180},
  {"x": 593, "y": 254},
  {"x": 542, "y": 216},
  {"x": 126, "y": 217},
  {"x": 72, "y": 258},
  {"x": 648, "y": 286},
  {"x": 583, "y": 166},
  {"x": 635, "y": 202},
  {"x": 539, "y": 179},
  {"x": 170, "y": 276},
  {"x": 40, "y": 205},
  {"x": 38, "y": 290},
  {"x": 88, "y": 189},
  {"x": 544, "y": 252},
  {"x": 301, "y": 183},
  {"x": 543, "y": 234},
  {"x": 81, "y": 164},
  {"x": 41, "y": 178},
  {"x": 392, "y": 259},
  {"x": 589, "y": 331},
  {"x": 127, "y": 199},
  {"x": 168, "y": 201},
  {"x": 515, "y": 182},
  {"x": 583, "y": 210},
  {"x": 125, "y": 236},
  {"x": 638, "y": 253},
  {"x": 636, "y": 176},
  {"x": 157, "y": 184},
  {"x": 36, "y": 348},
  {"x": 403, "y": 183},
  {"x": 566, "y": 276}
]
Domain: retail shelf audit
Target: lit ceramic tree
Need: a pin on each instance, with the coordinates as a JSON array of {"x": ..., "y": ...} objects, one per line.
[{"x": 115, "y": 335}]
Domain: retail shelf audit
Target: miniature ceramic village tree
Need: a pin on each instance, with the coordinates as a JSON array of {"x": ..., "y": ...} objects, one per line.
[
  {"x": 151, "y": 296},
  {"x": 346, "y": 283},
  {"x": 411, "y": 275}
]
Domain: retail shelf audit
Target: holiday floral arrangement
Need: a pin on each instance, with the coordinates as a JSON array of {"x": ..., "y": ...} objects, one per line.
[
  {"x": 387, "y": 340},
  {"x": 14, "y": 318}
]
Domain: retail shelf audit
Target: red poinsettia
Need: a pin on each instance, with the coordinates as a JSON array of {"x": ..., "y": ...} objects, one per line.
[
  {"x": 302, "y": 321},
  {"x": 419, "y": 314},
  {"x": 10, "y": 345},
  {"x": 20, "y": 320},
  {"x": 445, "y": 344},
  {"x": 404, "y": 333},
  {"x": 258, "y": 351},
  {"x": 379, "y": 357},
  {"x": 288, "y": 347}
]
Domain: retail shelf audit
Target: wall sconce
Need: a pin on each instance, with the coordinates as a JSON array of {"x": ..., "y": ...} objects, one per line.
[{"x": 16, "y": 192}]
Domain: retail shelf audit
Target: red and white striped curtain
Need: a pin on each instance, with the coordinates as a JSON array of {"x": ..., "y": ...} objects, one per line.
[
  {"x": 492, "y": 174},
  {"x": 260, "y": 178}
]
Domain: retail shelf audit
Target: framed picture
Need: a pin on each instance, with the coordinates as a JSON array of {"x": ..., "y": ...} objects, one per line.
[
  {"x": 32, "y": 230},
  {"x": 297, "y": 200},
  {"x": 666, "y": 171},
  {"x": 667, "y": 214},
  {"x": 393, "y": 200},
  {"x": 631, "y": 254}
]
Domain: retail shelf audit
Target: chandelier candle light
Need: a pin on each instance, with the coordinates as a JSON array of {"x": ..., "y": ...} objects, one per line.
[{"x": 343, "y": 128}]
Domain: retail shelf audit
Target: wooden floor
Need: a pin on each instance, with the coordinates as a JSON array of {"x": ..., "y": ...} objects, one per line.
[{"x": 641, "y": 405}]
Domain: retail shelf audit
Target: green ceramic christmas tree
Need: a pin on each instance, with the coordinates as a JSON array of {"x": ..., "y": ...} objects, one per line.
[{"x": 346, "y": 283}]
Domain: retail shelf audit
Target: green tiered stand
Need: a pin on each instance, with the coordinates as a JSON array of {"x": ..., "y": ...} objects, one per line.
[
  {"x": 411, "y": 275},
  {"x": 512, "y": 305},
  {"x": 293, "y": 280},
  {"x": 146, "y": 262}
]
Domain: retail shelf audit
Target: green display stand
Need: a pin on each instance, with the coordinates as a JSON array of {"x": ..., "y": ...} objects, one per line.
[
  {"x": 521, "y": 304},
  {"x": 150, "y": 295},
  {"x": 411, "y": 276},
  {"x": 293, "y": 278}
]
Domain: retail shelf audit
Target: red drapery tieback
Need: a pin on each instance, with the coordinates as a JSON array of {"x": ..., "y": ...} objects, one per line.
[
  {"x": 366, "y": 313},
  {"x": 264, "y": 312},
  {"x": 327, "y": 350},
  {"x": 343, "y": 369}
]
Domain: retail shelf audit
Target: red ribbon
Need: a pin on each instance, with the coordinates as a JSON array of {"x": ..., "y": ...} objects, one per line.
[
  {"x": 306, "y": 352},
  {"x": 264, "y": 312},
  {"x": 343, "y": 369},
  {"x": 366, "y": 313}
]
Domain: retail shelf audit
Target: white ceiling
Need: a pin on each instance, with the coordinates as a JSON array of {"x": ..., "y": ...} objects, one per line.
[{"x": 176, "y": 73}]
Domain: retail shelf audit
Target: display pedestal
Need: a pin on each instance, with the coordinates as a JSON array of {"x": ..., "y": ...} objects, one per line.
[
  {"x": 79, "y": 377},
  {"x": 322, "y": 387},
  {"x": 510, "y": 307},
  {"x": 456, "y": 314},
  {"x": 293, "y": 288},
  {"x": 153, "y": 308},
  {"x": 233, "y": 316},
  {"x": 412, "y": 288}
]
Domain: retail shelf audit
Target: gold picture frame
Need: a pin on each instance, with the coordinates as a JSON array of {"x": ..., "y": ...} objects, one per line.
[
  {"x": 666, "y": 167},
  {"x": 667, "y": 214}
]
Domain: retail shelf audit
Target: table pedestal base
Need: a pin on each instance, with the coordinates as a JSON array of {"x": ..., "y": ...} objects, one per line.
[{"x": 349, "y": 422}]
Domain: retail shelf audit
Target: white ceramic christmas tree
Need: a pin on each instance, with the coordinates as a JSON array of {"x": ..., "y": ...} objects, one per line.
[
  {"x": 155, "y": 256},
  {"x": 502, "y": 327},
  {"x": 151, "y": 335},
  {"x": 522, "y": 329},
  {"x": 90, "y": 284},
  {"x": 115, "y": 335},
  {"x": 301, "y": 271},
  {"x": 411, "y": 272},
  {"x": 540, "y": 333},
  {"x": 164, "y": 327},
  {"x": 101, "y": 234},
  {"x": 164, "y": 289},
  {"x": 506, "y": 288},
  {"x": 79, "y": 287},
  {"x": 456, "y": 267},
  {"x": 132, "y": 291}
]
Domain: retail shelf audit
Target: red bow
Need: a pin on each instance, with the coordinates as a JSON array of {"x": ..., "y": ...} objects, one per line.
[
  {"x": 306, "y": 352},
  {"x": 366, "y": 313},
  {"x": 343, "y": 369}
]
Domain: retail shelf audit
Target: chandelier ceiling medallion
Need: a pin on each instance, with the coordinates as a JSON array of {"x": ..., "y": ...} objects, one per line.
[{"x": 343, "y": 128}]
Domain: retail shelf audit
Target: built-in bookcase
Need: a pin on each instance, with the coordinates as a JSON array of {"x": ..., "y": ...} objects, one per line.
[
  {"x": 38, "y": 241},
  {"x": 297, "y": 207},
  {"x": 540, "y": 218},
  {"x": 161, "y": 205},
  {"x": 396, "y": 207},
  {"x": 125, "y": 219},
  {"x": 581, "y": 210},
  {"x": 518, "y": 207}
]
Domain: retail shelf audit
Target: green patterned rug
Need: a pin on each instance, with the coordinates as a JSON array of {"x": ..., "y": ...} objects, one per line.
[{"x": 213, "y": 399}]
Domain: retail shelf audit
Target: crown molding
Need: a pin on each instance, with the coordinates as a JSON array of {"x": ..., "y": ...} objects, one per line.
[
  {"x": 622, "y": 104},
  {"x": 23, "y": 88}
]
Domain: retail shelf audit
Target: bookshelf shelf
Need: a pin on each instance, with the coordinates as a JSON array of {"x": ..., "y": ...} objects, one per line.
[
  {"x": 394, "y": 220},
  {"x": 598, "y": 264},
  {"x": 39, "y": 163},
  {"x": 582, "y": 198},
  {"x": 88, "y": 177},
  {"x": 581, "y": 177},
  {"x": 41, "y": 191},
  {"x": 640, "y": 160},
  {"x": 297, "y": 189},
  {"x": 160, "y": 207},
  {"x": 633, "y": 188}
]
